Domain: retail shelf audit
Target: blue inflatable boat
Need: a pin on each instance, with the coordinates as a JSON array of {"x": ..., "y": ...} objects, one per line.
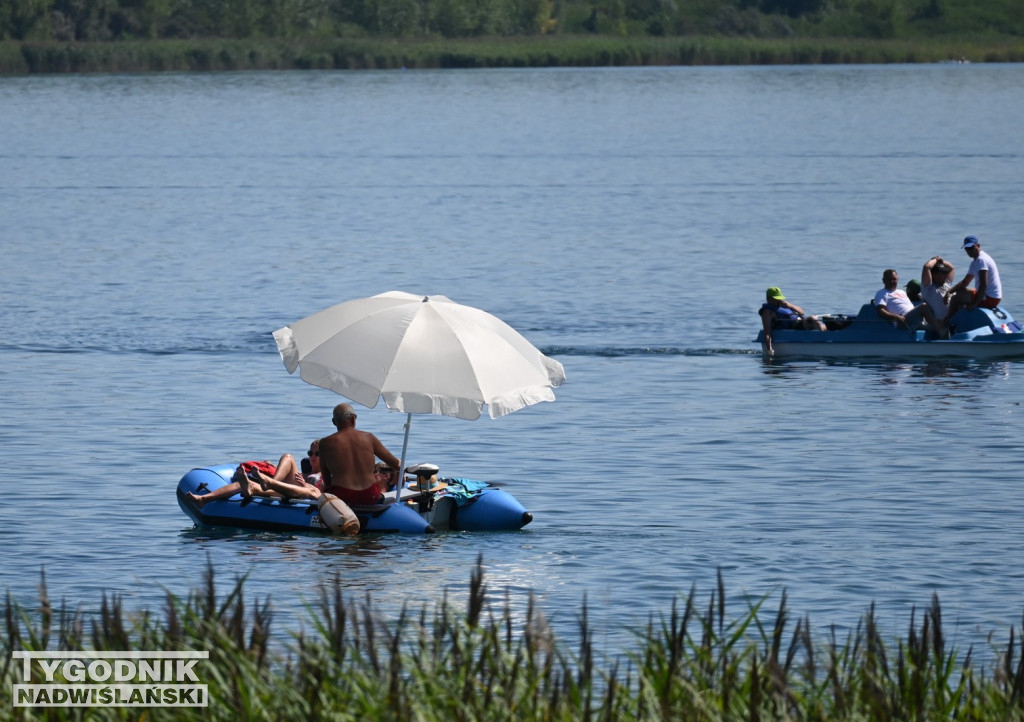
[{"x": 441, "y": 505}]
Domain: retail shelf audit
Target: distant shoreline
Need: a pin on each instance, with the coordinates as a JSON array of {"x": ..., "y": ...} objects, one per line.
[{"x": 217, "y": 55}]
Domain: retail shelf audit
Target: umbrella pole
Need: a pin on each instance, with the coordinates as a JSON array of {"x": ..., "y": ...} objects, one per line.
[{"x": 401, "y": 467}]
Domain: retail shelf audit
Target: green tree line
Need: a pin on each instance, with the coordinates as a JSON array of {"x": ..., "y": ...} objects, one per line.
[{"x": 115, "y": 20}]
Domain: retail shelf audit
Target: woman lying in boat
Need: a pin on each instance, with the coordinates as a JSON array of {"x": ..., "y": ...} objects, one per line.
[
  {"x": 285, "y": 480},
  {"x": 777, "y": 312},
  {"x": 289, "y": 481}
]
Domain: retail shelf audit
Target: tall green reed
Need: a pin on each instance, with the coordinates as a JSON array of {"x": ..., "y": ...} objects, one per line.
[{"x": 479, "y": 660}]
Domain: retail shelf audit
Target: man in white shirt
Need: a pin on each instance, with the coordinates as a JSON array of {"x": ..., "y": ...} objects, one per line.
[
  {"x": 987, "y": 291},
  {"x": 893, "y": 304}
]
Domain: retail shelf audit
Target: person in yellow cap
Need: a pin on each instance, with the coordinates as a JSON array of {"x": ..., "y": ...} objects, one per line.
[{"x": 776, "y": 312}]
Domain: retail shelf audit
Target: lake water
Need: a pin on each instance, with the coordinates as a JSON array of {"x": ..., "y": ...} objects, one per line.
[{"x": 157, "y": 229}]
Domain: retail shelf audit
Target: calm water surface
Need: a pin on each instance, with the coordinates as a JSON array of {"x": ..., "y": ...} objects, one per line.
[{"x": 156, "y": 230}]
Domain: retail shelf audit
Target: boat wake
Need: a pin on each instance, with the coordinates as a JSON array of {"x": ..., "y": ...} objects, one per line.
[
  {"x": 257, "y": 345},
  {"x": 614, "y": 351}
]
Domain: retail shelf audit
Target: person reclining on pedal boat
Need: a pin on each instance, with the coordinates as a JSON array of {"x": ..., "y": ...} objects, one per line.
[{"x": 777, "y": 313}]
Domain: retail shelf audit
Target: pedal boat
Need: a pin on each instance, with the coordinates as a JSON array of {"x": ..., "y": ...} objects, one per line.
[{"x": 978, "y": 333}]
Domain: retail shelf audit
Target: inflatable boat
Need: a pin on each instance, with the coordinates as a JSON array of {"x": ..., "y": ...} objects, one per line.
[
  {"x": 979, "y": 333},
  {"x": 426, "y": 504}
]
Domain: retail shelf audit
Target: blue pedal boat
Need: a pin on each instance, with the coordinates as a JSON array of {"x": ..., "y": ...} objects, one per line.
[{"x": 979, "y": 333}]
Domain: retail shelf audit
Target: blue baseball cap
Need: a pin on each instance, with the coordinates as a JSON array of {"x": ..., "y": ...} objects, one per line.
[{"x": 970, "y": 241}]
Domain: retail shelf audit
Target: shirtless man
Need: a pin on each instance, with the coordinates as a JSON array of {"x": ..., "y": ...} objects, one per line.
[{"x": 347, "y": 460}]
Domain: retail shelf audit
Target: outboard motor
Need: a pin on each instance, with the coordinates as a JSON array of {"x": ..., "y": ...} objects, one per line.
[{"x": 425, "y": 482}]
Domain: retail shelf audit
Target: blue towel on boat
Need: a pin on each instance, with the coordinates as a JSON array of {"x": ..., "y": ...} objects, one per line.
[{"x": 462, "y": 490}]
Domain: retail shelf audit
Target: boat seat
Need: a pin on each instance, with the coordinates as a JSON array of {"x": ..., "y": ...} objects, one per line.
[
  {"x": 975, "y": 318},
  {"x": 868, "y": 313}
]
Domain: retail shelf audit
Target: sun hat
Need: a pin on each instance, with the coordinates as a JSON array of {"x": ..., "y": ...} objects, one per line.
[
  {"x": 775, "y": 294},
  {"x": 970, "y": 241}
]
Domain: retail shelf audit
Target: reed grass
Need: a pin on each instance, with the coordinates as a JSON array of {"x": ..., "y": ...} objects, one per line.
[
  {"x": 477, "y": 661},
  {"x": 18, "y": 58}
]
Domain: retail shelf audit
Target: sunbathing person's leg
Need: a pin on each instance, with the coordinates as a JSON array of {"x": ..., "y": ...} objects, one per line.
[
  {"x": 224, "y": 492},
  {"x": 287, "y": 469},
  {"x": 291, "y": 490},
  {"x": 287, "y": 481}
]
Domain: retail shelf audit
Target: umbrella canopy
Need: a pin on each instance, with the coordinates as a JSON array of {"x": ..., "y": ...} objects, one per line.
[{"x": 421, "y": 354}]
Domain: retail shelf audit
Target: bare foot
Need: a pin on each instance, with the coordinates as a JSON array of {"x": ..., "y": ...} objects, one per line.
[
  {"x": 244, "y": 489},
  {"x": 197, "y": 500},
  {"x": 258, "y": 476}
]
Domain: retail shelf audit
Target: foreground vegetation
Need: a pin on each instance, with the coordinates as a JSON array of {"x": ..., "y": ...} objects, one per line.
[
  {"x": 695, "y": 663},
  {"x": 152, "y": 35}
]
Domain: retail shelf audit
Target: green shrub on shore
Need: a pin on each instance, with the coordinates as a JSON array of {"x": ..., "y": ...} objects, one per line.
[
  {"x": 122, "y": 20},
  {"x": 480, "y": 662},
  {"x": 39, "y": 36},
  {"x": 18, "y": 58}
]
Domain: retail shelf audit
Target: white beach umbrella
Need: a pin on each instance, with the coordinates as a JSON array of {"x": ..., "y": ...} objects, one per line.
[{"x": 421, "y": 354}]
